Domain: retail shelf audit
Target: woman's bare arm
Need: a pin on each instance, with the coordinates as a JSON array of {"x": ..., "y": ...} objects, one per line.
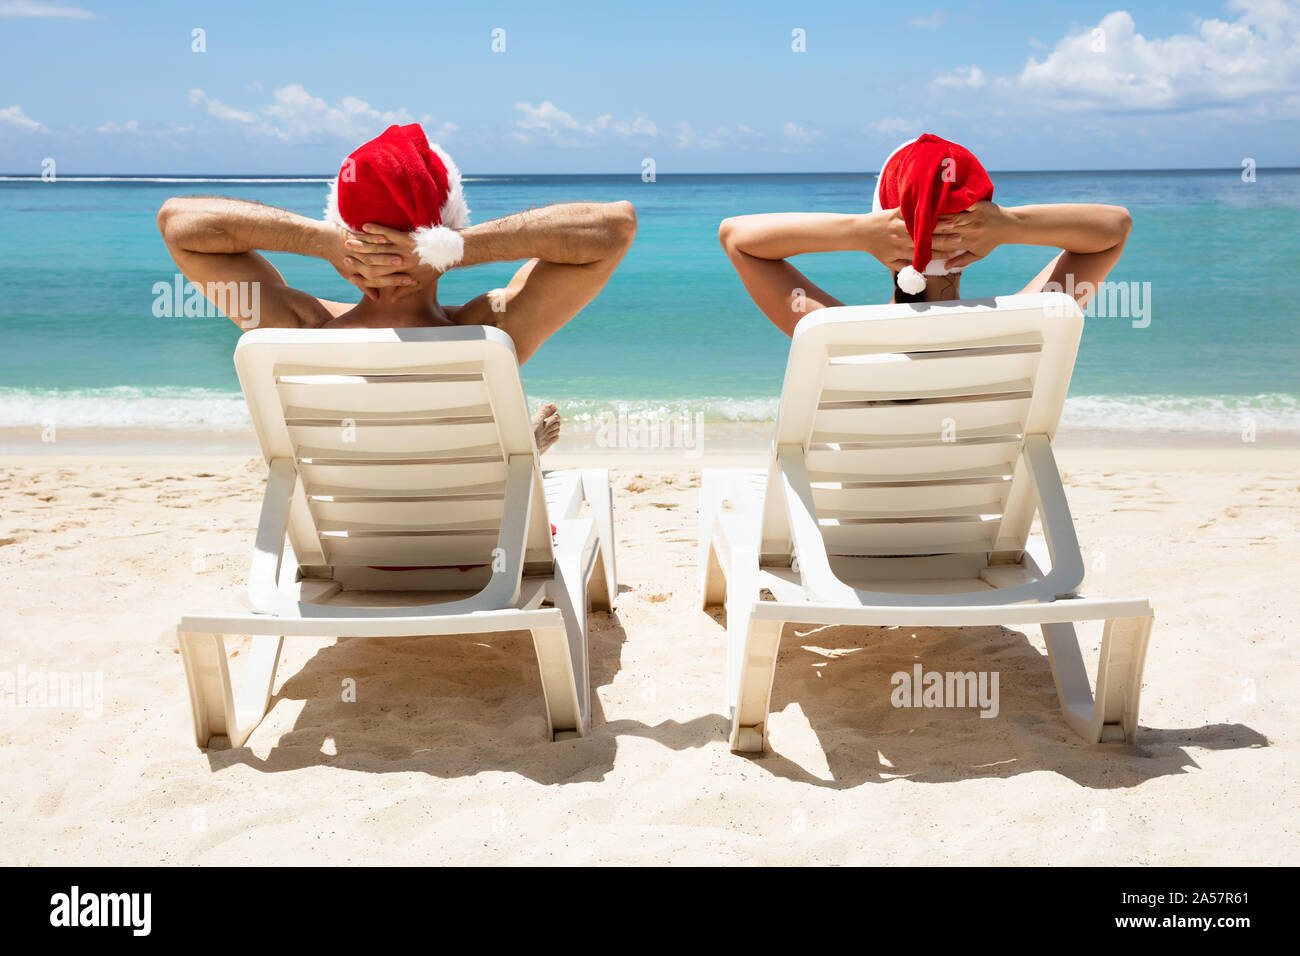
[
  {"x": 759, "y": 245},
  {"x": 1090, "y": 235}
]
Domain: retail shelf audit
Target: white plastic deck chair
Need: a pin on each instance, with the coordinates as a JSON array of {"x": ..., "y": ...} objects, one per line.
[
  {"x": 403, "y": 460},
  {"x": 913, "y": 447}
]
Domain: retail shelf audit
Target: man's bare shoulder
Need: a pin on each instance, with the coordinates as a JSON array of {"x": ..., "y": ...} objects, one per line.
[{"x": 287, "y": 307}]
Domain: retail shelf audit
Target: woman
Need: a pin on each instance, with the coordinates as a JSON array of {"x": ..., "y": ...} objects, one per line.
[{"x": 932, "y": 216}]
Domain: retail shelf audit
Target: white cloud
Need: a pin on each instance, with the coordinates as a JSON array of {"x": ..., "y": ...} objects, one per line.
[
  {"x": 1252, "y": 60},
  {"x": 931, "y": 21},
  {"x": 548, "y": 121},
  {"x": 219, "y": 109},
  {"x": 297, "y": 115},
  {"x": 130, "y": 126},
  {"x": 545, "y": 117},
  {"x": 294, "y": 115},
  {"x": 796, "y": 133},
  {"x": 435, "y": 129},
  {"x": 895, "y": 126},
  {"x": 14, "y": 116},
  {"x": 637, "y": 127},
  {"x": 796, "y": 137},
  {"x": 23, "y": 8},
  {"x": 719, "y": 137},
  {"x": 966, "y": 77}
]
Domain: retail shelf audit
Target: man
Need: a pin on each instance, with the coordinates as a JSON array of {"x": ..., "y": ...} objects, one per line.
[
  {"x": 396, "y": 222},
  {"x": 932, "y": 216}
]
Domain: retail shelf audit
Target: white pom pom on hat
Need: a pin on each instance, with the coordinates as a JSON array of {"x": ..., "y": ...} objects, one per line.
[
  {"x": 911, "y": 281},
  {"x": 438, "y": 246}
]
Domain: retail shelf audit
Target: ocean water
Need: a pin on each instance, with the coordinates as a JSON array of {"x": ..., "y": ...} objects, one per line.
[{"x": 673, "y": 332}]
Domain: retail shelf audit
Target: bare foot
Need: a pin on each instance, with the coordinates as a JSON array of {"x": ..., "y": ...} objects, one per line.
[{"x": 546, "y": 426}]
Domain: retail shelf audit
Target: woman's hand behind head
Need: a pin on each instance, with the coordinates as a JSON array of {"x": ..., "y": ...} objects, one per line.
[{"x": 977, "y": 230}]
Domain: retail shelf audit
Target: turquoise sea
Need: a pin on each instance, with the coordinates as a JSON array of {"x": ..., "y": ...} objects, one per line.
[{"x": 673, "y": 331}]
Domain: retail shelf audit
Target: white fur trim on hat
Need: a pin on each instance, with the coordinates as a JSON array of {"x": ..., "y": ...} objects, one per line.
[
  {"x": 911, "y": 281},
  {"x": 332, "y": 205},
  {"x": 454, "y": 212}
]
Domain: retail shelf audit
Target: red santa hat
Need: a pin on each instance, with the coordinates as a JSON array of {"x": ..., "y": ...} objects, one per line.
[
  {"x": 926, "y": 178},
  {"x": 400, "y": 180}
]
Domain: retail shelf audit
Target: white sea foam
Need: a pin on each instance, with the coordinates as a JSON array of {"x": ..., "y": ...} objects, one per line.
[
  {"x": 198, "y": 408},
  {"x": 122, "y": 407},
  {"x": 1184, "y": 413}
]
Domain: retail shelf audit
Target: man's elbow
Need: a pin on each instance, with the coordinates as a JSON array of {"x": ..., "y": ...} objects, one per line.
[
  {"x": 1123, "y": 224},
  {"x": 168, "y": 214},
  {"x": 621, "y": 219},
  {"x": 176, "y": 219}
]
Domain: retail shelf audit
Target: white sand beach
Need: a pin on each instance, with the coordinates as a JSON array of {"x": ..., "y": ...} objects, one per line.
[{"x": 442, "y": 758}]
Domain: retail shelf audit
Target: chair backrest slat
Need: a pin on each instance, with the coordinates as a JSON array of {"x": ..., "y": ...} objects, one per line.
[
  {"x": 402, "y": 440},
  {"x": 912, "y": 418}
]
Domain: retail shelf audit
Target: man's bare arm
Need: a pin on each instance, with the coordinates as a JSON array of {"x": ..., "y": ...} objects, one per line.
[
  {"x": 572, "y": 250},
  {"x": 217, "y": 240},
  {"x": 566, "y": 234},
  {"x": 218, "y": 225}
]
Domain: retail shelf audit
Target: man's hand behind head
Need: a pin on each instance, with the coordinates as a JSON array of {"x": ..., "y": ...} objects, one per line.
[{"x": 385, "y": 258}]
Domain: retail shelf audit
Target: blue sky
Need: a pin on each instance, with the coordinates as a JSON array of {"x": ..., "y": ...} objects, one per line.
[{"x": 287, "y": 87}]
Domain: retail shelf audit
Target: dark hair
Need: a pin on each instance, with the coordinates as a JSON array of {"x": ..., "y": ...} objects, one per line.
[{"x": 901, "y": 296}]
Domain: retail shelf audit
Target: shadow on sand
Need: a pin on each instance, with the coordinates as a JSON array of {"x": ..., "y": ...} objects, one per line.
[{"x": 428, "y": 705}]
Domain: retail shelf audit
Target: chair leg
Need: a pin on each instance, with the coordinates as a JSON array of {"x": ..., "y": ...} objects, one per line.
[
  {"x": 1112, "y": 715},
  {"x": 565, "y": 715},
  {"x": 562, "y": 653},
  {"x": 752, "y": 647},
  {"x": 600, "y": 596},
  {"x": 221, "y": 719},
  {"x": 713, "y": 580},
  {"x": 595, "y": 488}
]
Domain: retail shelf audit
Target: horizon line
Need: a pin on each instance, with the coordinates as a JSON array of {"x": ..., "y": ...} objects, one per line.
[{"x": 636, "y": 174}]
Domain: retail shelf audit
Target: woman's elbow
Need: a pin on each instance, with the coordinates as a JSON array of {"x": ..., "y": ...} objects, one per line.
[
  {"x": 728, "y": 236},
  {"x": 1123, "y": 224}
]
